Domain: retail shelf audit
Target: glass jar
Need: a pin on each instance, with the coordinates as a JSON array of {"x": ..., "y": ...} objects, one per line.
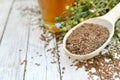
[{"x": 51, "y": 9}]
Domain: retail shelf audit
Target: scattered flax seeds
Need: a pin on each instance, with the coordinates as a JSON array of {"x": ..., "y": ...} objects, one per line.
[
  {"x": 40, "y": 55},
  {"x": 52, "y": 50},
  {"x": 53, "y": 62},
  {"x": 87, "y": 38},
  {"x": 37, "y": 64},
  {"x": 62, "y": 72},
  {"x": 20, "y": 50},
  {"x": 49, "y": 50},
  {"x": 105, "y": 67},
  {"x": 43, "y": 37},
  {"x": 63, "y": 69},
  {"x": 46, "y": 37},
  {"x": 24, "y": 62}
]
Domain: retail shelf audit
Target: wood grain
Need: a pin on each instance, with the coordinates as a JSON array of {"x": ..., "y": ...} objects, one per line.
[
  {"x": 5, "y": 10},
  {"x": 42, "y": 64},
  {"x": 13, "y": 47}
]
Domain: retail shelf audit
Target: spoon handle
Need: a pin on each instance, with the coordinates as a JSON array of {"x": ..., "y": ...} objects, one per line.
[{"x": 113, "y": 15}]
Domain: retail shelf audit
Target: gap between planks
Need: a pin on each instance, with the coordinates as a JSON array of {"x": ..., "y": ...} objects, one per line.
[
  {"x": 7, "y": 19},
  {"x": 14, "y": 38},
  {"x": 36, "y": 45}
]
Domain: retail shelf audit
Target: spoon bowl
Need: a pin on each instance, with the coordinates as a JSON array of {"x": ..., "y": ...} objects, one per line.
[{"x": 107, "y": 21}]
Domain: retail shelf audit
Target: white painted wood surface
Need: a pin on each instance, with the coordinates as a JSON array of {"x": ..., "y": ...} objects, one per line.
[
  {"x": 5, "y": 10},
  {"x": 14, "y": 40},
  {"x": 23, "y": 55},
  {"x": 39, "y": 60}
]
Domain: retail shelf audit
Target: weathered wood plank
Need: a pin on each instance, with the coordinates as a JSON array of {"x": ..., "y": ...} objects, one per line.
[
  {"x": 42, "y": 64},
  {"x": 5, "y": 10},
  {"x": 13, "y": 47},
  {"x": 38, "y": 54}
]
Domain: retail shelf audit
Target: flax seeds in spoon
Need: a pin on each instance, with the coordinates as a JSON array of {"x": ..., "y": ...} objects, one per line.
[{"x": 87, "y": 38}]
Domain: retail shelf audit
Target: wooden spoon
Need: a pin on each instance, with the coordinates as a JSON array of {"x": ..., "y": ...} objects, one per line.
[{"x": 108, "y": 21}]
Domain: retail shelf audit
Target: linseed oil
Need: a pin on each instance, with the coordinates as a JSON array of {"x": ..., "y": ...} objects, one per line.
[{"x": 51, "y": 9}]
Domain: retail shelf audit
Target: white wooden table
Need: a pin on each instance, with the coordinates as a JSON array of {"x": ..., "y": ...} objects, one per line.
[{"x": 23, "y": 55}]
